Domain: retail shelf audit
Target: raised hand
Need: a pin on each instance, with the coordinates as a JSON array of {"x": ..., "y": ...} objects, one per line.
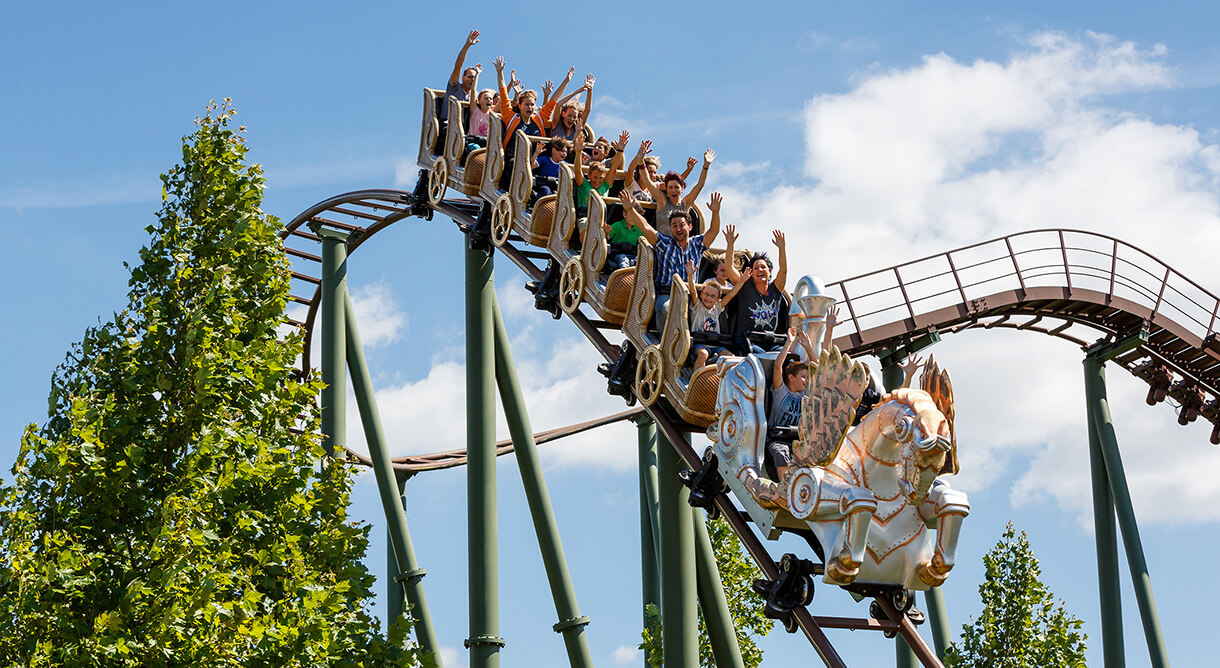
[
  {"x": 708, "y": 156},
  {"x": 912, "y": 365},
  {"x": 513, "y": 81},
  {"x": 645, "y": 148},
  {"x": 832, "y": 317},
  {"x": 621, "y": 144},
  {"x": 578, "y": 142},
  {"x": 472, "y": 38},
  {"x": 589, "y": 81},
  {"x": 547, "y": 87},
  {"x": 626, "y": 198},
  {"x": 500, "y": 63},
  {"x": 571, "y": 73},
  {"x": 730, "y": 235},
  {"x": 539, "y": 147},
  {"x": 690, "y": 268},
  {"x": 691, "y": 162},
  {"x": 714, "y": 205},
  {"x": 777, "y": 238}
]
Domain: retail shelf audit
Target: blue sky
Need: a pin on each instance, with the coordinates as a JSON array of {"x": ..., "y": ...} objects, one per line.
[{"x": 872, "y": 133}]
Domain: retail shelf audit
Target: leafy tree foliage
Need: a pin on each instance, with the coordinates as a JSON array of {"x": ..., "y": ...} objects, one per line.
[
  {"x": 175, "y": 509},
  {"x": 1021, "y": 624},
  {"x": 737, "y": 573}
]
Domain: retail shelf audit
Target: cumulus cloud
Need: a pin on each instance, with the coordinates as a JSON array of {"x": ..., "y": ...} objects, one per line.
[
  {"x": 626, "y": 654},
  {"x": 920, "y": 160},
  {"x": 380, "y": 318},
  {"x": 916, "y": 161}
]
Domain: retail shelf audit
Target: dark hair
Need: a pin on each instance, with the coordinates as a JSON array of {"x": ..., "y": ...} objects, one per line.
[
  {"x": 674, "y": 176},
  {"x": 792, "y": 366},
  {"x": 760, "y": 256},
  {"x": 558, "y": 142},
  {"x": 678, "y": 214}
]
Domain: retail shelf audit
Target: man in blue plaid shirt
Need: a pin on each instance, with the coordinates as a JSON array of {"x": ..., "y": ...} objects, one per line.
[{"x": 672, "y": 251}]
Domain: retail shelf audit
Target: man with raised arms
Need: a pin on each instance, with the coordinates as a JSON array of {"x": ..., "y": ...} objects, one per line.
[{"x": 673, "y": 250}]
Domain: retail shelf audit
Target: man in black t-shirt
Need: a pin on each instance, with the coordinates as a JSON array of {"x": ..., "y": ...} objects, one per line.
[{"x": 762, "y": 304}]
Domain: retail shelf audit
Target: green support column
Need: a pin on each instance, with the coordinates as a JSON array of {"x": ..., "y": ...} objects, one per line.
[
  {"x": 394, "y": 588},
  {"x": 1105, "y": 537},
  {"x": 334, "y": 288},
  {"x": 484, "y": 642},
  {"x": 1103, "y": 432},
  {"x": 716, "y": 616},
  {"x": 891, "y": 378},
  {"x": 679, "y": 618},
  {"x": 408, "y": 571},
  {"x": 571, "y": 624},
  {"x": 646, "y": 431},
  {"x": 938, "y": 616}
]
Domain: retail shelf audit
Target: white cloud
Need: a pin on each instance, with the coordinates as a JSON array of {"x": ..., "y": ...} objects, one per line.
[
  {"x": 378, "y": 315},
  {"x": 451, "y": 657},
  {"x": 916, "y": 161},
  {"x": 626, "y": 654}
]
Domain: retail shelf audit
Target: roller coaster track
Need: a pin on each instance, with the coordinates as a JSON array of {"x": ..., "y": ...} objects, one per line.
[{"x": 1078, "y": 286}]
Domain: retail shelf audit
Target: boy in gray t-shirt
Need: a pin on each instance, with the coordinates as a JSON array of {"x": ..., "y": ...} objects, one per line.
[{"x": 789, "y": 383}]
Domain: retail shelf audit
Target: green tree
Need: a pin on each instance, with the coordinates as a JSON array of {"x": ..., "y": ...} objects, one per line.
[
  {"x": 737, "y": 574},
  {"x": 1021, "y": 624},
  {"x": 176, "y": 508}
]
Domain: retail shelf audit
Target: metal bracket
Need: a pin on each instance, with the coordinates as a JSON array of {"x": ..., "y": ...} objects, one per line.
[
  {"x": 325, "y": 232},
  {"x": 572, "y": 623},
  {"x": 895, "y": 355},
  {"x": 483, "y": 640},
  {"x": 407, "y": 576},
  {"x": 1107, "y": 350}
]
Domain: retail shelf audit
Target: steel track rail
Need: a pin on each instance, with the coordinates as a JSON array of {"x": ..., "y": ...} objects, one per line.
[{"x": 1190, "y": 353}]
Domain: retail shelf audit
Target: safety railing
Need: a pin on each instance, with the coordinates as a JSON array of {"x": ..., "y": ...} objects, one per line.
[{"x": 1073, "y": 259}]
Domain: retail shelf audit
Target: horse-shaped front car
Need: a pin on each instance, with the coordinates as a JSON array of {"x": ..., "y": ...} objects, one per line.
[{"x": 868, "y": 494}]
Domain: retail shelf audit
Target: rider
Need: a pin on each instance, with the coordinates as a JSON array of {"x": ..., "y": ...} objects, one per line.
[
  {"x": 789, "y": 384},
  {"x": 762, "y": 305}
]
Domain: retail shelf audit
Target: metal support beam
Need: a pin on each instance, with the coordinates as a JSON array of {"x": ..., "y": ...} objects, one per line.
[
  {"x": 679, "y": 617},
  {"x": 646, "y": 431},
  {"x": 1099, "y": 409},
  {"x": 571, "y": 624},
  {"x": 394, "y": 588},
  {"x": 892, "y": 377},
  {"x": 1106, "y": 538},
  {"x": 716, "y": 616},
  {"x": 938, "y": 620},
  {"x": 484, "y": 642},
  {"x": 407, "y": 569},
  {"x": 334, "y": 288}
]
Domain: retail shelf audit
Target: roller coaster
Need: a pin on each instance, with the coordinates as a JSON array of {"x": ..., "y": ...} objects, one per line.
[{"x": 1115, "y": 301}]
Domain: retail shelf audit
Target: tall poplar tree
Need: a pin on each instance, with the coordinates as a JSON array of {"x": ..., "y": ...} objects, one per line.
[
  {"x": 176, "y": 507},
  {"x": 1021, "y": 625}
]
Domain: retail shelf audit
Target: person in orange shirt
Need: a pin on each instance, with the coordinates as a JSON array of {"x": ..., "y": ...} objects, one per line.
[{"x": 529, "y": 118}]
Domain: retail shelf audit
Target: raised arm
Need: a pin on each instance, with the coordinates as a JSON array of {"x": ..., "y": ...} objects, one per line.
[
  {"x": 471, "y": 40},
  {"x": 632, "y": 216},
  {"x": 803, "y": 339},
  {"x": 690, "y": 281},
  {"x": 474, "y": 87},
  {"x": 781, "y": 276},
  {"x": 506, "y": 107},
  {"x": 548, "y": 87},
  {"x": 578, "y": 148},
  {"x": 730, "y": 260},
  {"x": 708, "y": 156},
  {"x": 777, "y": 369},
  {"x": 619, "y": 146},
  {"x": 745, "y": 275},
  {"x": 713, "y": 228},
  {"x": 551, "y": 118},
  {"x": 832, "y": 319},
  {"x": 909, "y": 369},
  {"x": 645, "y": 149},
  {"x": 589, "y": 81},
  {"x": 690, "y": 167}
]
